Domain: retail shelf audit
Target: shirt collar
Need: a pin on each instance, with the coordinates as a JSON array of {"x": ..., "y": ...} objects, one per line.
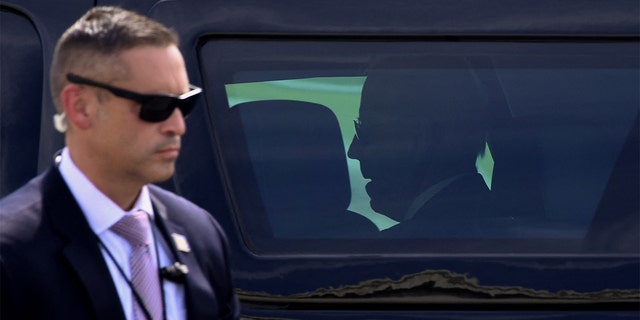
[{"x": 100, "y": 211}]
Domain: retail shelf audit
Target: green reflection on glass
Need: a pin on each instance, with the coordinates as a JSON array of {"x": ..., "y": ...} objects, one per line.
[
  {"x": 484, "y": 164},
  {"x": 342, "y": 96}
]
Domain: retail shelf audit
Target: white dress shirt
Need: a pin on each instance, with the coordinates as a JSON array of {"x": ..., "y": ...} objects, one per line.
[{"x": 101, "y": 214}]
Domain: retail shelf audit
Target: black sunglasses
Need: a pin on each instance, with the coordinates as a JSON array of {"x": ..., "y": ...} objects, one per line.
[{"x": 154, "y": 107}]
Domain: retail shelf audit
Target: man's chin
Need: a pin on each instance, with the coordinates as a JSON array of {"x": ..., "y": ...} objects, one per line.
[
  {"x": 162, "y": 174},
  {"x": 387, "y": 201}
]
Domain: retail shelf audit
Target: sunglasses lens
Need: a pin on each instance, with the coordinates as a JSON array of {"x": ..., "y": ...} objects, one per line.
[
  {"x": 186, "y": 105},
  {"x": 157, "y": 109},
  {"x": 160, "y": 108}
]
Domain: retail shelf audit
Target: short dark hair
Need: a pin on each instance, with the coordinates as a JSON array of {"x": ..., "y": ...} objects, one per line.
[
  {"x": 95, "y": 41},
  {"x": 441, "y": 94}
]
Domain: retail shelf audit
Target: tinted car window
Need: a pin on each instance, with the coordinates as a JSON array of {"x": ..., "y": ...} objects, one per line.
[{"x": 438, "y": 146}]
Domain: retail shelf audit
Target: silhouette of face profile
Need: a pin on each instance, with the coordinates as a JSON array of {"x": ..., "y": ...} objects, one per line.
[{"x": 420, "y": 122}]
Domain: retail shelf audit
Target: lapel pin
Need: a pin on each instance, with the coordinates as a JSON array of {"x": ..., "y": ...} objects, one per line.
[{"x": 181, "y": 242}]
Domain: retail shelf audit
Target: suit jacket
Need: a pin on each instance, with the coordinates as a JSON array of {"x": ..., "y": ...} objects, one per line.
[{"x": 51, "y": 266}]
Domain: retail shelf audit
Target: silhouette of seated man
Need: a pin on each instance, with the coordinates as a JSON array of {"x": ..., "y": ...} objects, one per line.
[{"x": 420, "y": 130}]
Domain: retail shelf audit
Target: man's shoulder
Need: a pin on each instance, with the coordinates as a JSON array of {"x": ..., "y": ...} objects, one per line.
[
  {"x": 192, "y": 219},
  {"x": 24, "y": 198},
  {"x": 21, "y": 211},
  {"x": 177, "y": 208},
  {"x": 171, "y": 199}
]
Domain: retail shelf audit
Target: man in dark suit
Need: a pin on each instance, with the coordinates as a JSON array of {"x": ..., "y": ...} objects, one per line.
[
  {"x": 420, "y": 130},
  {"x": 121, "y": 90}
]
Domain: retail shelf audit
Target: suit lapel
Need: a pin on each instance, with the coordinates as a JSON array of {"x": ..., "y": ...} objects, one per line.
[
  {"x": 200, "y": 297},
  {"x": 81, "y": 251}
]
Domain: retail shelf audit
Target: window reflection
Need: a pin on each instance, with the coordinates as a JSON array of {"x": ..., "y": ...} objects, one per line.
[
  {"x": 462, "y": 145},
  {"x": 419, "y": 133}
]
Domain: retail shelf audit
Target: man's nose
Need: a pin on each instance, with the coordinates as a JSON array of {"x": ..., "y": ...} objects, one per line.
[
  {"x": 354, "y": 148},
  {"x": 174, "y": 125}
]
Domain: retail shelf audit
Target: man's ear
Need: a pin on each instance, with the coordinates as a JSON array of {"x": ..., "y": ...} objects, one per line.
[{"x": 74, "y": 102}]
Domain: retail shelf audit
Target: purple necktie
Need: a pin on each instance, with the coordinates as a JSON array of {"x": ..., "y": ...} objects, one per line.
[{"x": 144, "y": 274}]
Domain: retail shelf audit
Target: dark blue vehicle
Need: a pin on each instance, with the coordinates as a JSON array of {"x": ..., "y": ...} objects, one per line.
[{"x": 334, "y": 138}]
